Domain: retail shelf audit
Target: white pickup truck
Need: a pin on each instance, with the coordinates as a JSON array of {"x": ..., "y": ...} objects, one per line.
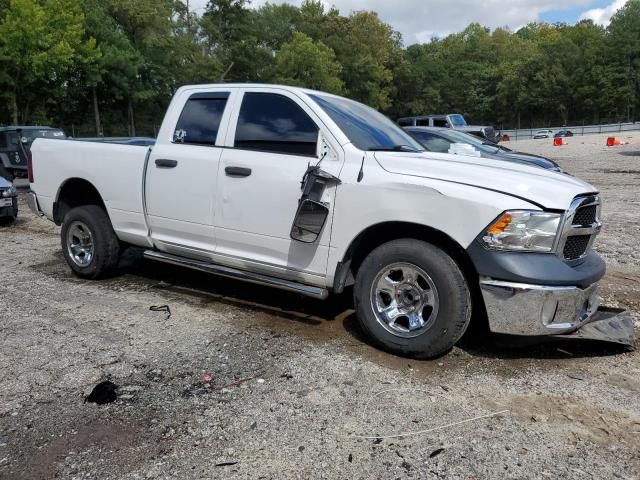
[{"x": 313, "y": 193}]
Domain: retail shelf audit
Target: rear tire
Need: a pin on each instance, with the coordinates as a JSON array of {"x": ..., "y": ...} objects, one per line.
[
  {"x": 412, "y": 299},
  {"x": 90, "y": 246}
]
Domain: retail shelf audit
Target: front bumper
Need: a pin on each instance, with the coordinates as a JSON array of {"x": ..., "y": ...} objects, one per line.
[
  {"x": 532, "y": 310},
  {"x": 10, "y": 210}
]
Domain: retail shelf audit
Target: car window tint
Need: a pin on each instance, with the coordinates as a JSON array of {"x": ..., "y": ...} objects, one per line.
[
  {"x": 200, "y": 119},
  {"x": 422, "y": 122},
  {"x": 440, "y": 122},
  {"x": 274, "y": 123},
  {"x": 3, "y": 141},
  {"x": 431, "y": 142}
]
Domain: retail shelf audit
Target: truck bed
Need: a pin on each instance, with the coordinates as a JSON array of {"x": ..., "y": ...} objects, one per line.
[{"x": 114, "y": 170}]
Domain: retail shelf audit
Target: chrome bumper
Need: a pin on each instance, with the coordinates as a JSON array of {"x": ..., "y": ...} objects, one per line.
[
  {"x": 32, "y": 202},
  {"x": 523, "y": 309}
]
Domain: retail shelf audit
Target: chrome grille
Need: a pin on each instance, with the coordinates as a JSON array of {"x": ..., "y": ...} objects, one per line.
[
  {"x": 580, "y": 228},
  {"x": 576, "y": 246},
  {"x": 586, "y": 216}
]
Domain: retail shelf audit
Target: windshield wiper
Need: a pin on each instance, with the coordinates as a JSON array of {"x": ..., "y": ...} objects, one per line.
[{"x": 395, "y": 148}]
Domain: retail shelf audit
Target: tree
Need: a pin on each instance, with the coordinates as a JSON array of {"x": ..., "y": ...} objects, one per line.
[
  {"x": 38, "y": 44},
  {"x": 309, "y": 64},
  {"x": 624, "y": 52}
]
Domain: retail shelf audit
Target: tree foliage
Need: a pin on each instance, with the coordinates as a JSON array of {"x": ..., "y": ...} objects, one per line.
[{"x": 111, "y": 66}]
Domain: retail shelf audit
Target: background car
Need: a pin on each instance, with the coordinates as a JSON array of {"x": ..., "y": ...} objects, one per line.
[
  {"x": 444, "y": 140},
  {"x": 455, "y": 121},
  {"x": 8, "y": 202},
  {"x": 563, "y": 133},
  {"x": 15, "y": 143},
  {"x": 543, "y": 134}
]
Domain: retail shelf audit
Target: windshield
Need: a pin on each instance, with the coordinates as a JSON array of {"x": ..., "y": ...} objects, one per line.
[
  {"x": 365, "y": 127},
  {"x": 457, "y": 120}
]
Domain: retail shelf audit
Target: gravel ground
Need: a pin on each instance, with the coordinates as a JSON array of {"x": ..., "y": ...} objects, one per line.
[{"x": 248, "y": 382}]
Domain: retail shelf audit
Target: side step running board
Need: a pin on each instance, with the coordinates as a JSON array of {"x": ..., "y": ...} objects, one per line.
[{"x": 309, "y": 291}]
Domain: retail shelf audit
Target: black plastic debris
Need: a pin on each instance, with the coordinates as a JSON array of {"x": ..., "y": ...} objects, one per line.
[
  {"x": 436, "y": 452},
  {"x": 104, "y": 392},
  {"x": 161, "y": 308}
]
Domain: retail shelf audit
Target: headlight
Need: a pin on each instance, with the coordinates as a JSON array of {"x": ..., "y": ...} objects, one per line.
[{"x": 523, "y": 230}]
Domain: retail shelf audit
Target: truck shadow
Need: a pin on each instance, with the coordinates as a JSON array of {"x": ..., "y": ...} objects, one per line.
[{"x": 318, "y": 319}]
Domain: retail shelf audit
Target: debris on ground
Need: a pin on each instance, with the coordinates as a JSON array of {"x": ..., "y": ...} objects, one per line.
[
  {"x": 104, "y": 392},
  {"x": 161, "y": 308}
]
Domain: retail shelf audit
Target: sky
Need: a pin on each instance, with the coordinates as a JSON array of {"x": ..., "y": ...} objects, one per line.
[{"x": 421, "y": 20}]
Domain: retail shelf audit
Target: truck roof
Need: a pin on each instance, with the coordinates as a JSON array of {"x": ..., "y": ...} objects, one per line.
[{"x": 255, "y": 85}]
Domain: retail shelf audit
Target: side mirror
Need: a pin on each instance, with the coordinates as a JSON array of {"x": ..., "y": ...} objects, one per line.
[{"x": 309, "y": 221}]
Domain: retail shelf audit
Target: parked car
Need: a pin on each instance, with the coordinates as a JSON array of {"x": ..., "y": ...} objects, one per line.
[
  {"x": 543, "y": 134},
  {"x": 454, "y": 121},
  {"x": 445, "y": 140},
  {"x": 563, "y": 133},
  {"x": 310, "y": 192},
  {"x": 8, "y": 202},
  {"x": 15, "y": 143}
]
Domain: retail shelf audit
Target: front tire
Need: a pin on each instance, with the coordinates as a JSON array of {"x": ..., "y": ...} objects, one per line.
[
  {"x": 89, "y": 244},
  {"x": 412, "y": 299}
]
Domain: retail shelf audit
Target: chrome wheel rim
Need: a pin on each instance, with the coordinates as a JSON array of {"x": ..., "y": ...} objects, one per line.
[
  {"x": 80, "y": 244},
  {"x": 404, "y": 299}
]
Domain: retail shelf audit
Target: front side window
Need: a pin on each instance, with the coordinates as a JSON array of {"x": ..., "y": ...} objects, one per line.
[
  {"x": 270, "y": 122},
  {"x": 200, "y": 119}
]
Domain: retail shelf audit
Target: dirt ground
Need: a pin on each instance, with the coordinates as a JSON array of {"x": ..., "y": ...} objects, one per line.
[{"x": 249, "y": 382}]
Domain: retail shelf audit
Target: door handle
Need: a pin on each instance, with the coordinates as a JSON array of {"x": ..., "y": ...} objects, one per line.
[
  {"x": 164, "y": 163},
  {"x": 237, "y": 171}
]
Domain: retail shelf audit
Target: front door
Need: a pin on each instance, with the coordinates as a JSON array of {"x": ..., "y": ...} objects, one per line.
[
  {"x": 276, "y": 139},
  {"x": 182, "y": 176}
]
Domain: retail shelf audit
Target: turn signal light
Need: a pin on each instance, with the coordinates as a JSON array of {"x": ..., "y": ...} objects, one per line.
[{"x": 499, "y": 225}]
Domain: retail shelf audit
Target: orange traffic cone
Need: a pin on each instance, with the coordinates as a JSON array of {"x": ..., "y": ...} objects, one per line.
[
  {"x": 559, "y": 141},
  {"x": 612, "y": 142}
]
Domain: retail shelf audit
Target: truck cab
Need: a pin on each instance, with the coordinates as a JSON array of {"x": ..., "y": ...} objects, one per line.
[{"x": 315, "y": 193}]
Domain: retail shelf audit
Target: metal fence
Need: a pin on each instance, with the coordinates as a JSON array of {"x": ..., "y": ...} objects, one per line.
[{"x": 528, "y": 133}]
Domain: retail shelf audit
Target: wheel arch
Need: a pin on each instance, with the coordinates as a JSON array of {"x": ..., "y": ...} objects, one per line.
[
  {"x": 374, "y": 236},
  {"x": 75, "y": 192}
]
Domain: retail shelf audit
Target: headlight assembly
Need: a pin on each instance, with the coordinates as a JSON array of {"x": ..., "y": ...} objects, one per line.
[{"x": 523, "y": 230}]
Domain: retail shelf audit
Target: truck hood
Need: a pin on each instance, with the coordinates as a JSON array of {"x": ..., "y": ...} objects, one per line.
[{"x": 546, "y": 188}]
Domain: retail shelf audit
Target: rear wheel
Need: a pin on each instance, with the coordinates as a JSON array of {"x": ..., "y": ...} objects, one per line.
[
  {"x": 412, "y": 299},
  {"x": 89, "y": 243}
]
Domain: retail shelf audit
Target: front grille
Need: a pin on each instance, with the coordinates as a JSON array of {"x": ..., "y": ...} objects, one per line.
[
  {"x": 586, "y": 216},
  {"x": 576, "y": 247},
  {"x": 580, "y": 231}
]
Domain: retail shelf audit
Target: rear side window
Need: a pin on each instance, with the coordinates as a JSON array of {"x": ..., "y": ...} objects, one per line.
[
  {"x": 274, "y": 123},
  {"x": 422, "y": 122},
  {"x": 200, "y": 119}
]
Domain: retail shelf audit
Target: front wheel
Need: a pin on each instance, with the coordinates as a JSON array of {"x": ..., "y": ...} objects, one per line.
[
  {"x": 89, "y": 243},
  {"x": 412, "y": 299}
]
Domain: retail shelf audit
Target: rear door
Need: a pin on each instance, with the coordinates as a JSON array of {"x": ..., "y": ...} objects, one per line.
[
  {"x": 182, "y": 174},
  {"x": 273, "y": 138}
]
